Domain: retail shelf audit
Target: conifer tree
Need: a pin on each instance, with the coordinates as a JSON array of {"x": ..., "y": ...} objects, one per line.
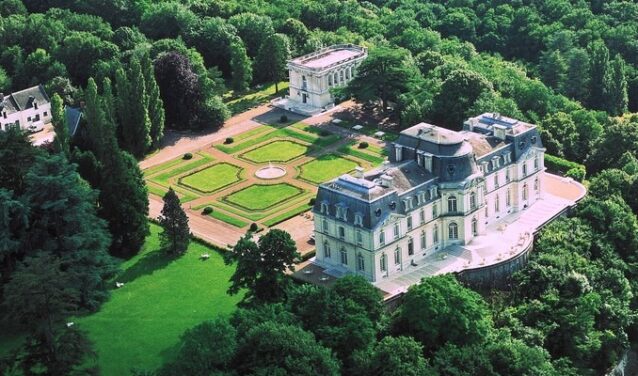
[
  {"x": 176, "y": 235},
  {"x": 136, "y": 137},
  {"x": 110, "y": 110},
  {"x": 155, "y": 105},
  {"x": 60, "y": 126},
  {"x": 599, "y": 64},
  {"x": 123, "y": 106},
  {"x": 553, "y": 68},
  {"x": 615, "y": 88},
  {"x": 577, "y": 78},
  {"x": 240, "y": 64}
]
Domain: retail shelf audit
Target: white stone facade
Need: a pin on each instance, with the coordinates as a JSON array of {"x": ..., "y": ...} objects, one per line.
[{"x": 25, "y": 108}]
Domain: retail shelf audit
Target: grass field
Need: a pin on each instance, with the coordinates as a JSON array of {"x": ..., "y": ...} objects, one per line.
[
  {"x": 326, "y": 167},
  {"x": 278, "y": 151},
  {"x": 228, "y": 219},
  {"x": 162, "y": 297},
  {"x": 259, "y": 197},
  {"x": 253, "y": 98},
  {"x": 289, "y": 214},
  {"x": 373, "y": 158},
  {"x": 162, "y": 178},
  {"x": 212, "y": 178}
]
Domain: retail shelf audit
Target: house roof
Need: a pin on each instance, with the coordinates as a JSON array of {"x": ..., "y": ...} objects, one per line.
[
  {"x": 72, "y": 116},
  {"x": 24, "y": 99}
]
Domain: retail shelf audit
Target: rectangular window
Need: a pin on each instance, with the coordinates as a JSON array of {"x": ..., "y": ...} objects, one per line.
[
  {"x": 325, "y": 226},
  {"x": 524, "y": 168},
  {"x": 536, "y": 163},
  {"x": 409, "y": 222},
  {"x": 397, "y": 256},
  {"x": 396, "y": 231},
  {"x": 435, "y": 234},
  {"x": 382, "y": 263},
  {"x": 410, "y": 247},
  {"x": 496, "y": 180},
  {"x": 326, "y": 250},
  {"x": 422, "y": 216},
  {"x": 29, "y": 118},
  {"x": 423, "y": 244},
  {"x": 508, "y": 198},
  {"x": 382, "y": 237},
  {"x": 359, "y": 238},
  {"x": 360, "y": 263},
  {"x": 435, "y": 211},
  {"x": 342, "y": 232},
  {"x": 507, "y": 175},
  {"x": 344, "y": 257}
]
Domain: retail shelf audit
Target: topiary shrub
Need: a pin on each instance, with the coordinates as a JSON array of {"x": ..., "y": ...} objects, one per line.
[
  {"x": 363, "y": 145},
  {"x": 253, "y": 227},
  {"x": 311, "y": 202},
  {"x": 229, "y": 140},
  {"x": 207, "y": 210},
  {"x": 188, "y": 156},
  {"x": 283, "y": 118}
]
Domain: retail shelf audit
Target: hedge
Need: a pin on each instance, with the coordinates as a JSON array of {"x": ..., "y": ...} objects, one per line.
[{"x": 564, "y": 167}]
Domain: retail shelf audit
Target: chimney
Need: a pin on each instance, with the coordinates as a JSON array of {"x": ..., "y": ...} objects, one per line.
[
  {"x": 387, "y": 181},
  {"x": 358, "y": 172}
]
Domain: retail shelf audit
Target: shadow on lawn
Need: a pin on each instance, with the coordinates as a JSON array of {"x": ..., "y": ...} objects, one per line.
[{"x": 146, "y": 265}]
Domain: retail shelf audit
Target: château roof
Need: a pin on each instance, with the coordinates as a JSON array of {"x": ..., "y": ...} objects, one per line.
[{"x": 23, "y": 99}]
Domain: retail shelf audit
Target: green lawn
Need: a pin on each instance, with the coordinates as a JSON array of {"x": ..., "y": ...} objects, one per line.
[
  {"x": 289, "y": 214},
  {"x": 245, "y": 101},
  {"x": 278, "y": 151},
  {"x": 228, "y": 219},
  {"x": 212, "y": 178},
  {"x": 354, "y": 151},
  {"x": 162, "y": 297},
  {"x": 259, "y": 197},
  {"x": 162, "y": 179},
  {"x": 325, "y": 168}
]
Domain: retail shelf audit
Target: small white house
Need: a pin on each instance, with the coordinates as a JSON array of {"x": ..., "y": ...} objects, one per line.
[
  {"x": 25, "y": 108},
  {"x": 313, "y": 75}
]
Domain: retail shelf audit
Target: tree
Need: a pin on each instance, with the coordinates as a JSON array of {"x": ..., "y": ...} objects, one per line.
[
  {"x": 260, "y": 268},
  {"x": 393, "y": 356},
  {"x": 176, "y": 234},
  {"x": 80, "y": 50},
  {"x": 440, "y": 311},
  {"x": 242, "y": 71},
  {"x": 278, "y": 349},
  {"x": 136, "y": 124},
  {"x": 164, "y": 20},
  {"x": 599, "y": 64},
  {"x": 271, "y": 60},
  {"x": 384, "y": 75},
  {"x": 60, "y": 126},
  {"x": 205, "y": 349},
  {"x": 155, "y": 106},
  {"x": 360, "y": 291},
  {"x": 618, "y": 138},
  {"x": 577, "y": 77},
  {"x": 458, "y": 92},
  {"x": 18, "y": 155},
  {"x": 615, "y": 87},
  {"x": 553, "y": 69},
  {"x": 253, "y": 30}
]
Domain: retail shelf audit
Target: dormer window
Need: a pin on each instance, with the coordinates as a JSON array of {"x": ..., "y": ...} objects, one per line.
[
  {"x": 342, "y": 212},
  {"x": 358, "y": 219},
  {"x": 508, "y": 158},
  {"x": 324, "y": 208}
]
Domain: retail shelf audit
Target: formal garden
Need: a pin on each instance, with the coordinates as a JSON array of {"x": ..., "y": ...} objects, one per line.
[{"x": 223, "y": 183}]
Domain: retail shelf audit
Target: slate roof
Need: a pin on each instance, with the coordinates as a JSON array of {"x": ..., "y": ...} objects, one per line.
[
  {"x": 72, "y": 116},
  {"x": 23, "y": 99}
]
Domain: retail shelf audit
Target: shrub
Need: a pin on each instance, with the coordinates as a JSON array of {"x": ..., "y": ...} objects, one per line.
[
  {"x": 325, "y": 133},
  {"x": 229, "y": 140},
  {"x": 311, "y": 202},
  {"x": 253, "y": 227},
  {"x": 564, "y": 167},
  {"x": 363, "y": 145},
  {"x": 207, "y": 210},
  {"x": 188, "y": 156}
]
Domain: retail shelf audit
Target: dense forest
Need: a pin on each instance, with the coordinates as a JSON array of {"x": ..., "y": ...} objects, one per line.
[{"x": 70, "y": 211}]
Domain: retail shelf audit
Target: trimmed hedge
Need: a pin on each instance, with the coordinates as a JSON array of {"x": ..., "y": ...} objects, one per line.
[{"x": 564, "y": 167}]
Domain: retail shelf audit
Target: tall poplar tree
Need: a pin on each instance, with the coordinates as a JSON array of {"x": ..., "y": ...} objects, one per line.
[
  {"x": 154, "y": 103},
  {"x": 136, "y": 134},
  {"x": 615, "y": 88},
  {"x": 62, "y": 139},
  {"x": 176, "y": 235},
  {"x": 599, "y": 64},
  {"x": 577, "y": 78},
  {"x": 241, "y": 67}
]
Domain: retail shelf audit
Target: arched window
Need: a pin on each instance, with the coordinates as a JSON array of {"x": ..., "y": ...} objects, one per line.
[
  {"x": 383, "y": 263},
  {"x": 451, "y": 204},
  {"x": 474, "y": 227},
  {"x": 453, "y": 231},
  {"x": 525, "y": 191},
  {"x": 360, "y": 263},
  {"x": 472, "y": 201},
  {"x": 326, "y": 249},
  {"x": 497, "y": 203},
  {"x": 344, "y": 256}
]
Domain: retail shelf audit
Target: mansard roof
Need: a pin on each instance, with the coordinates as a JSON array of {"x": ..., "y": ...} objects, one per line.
[{"x": 24, "y": 99}]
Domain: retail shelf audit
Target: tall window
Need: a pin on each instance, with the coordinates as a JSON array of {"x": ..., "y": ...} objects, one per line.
[
  {"x": 397, "y": 256},
  {"x": 507, "y": 175},
  {"x": 410, "y": 247},
  {"x": 360, "y": 263},
  {"x": 396, "y": 230},
  {"x": 525, "y": 191},
  {"x": 496, "y": 180},
  {"x": 435, "y": 234},
  {"x": 325, "y": 226},
  {"x": 344, "y": 256},
  {"x": 472, "y": 201},
  {"x": 451, "y": 204},
  {"x": 453, "y": 231},
  {"x": 409, "y": 222},
  {"x": 422, "y": 216},
  {"x": 525, "y": 168},
  {"x": 342, "y": 232},
  {"x": 326, "y": 249},
  {"x": 423, "y": 242},
  {"x": 508, "y": 198},
  {"x": 497, "y": 203},
  {"x": 329, "y": 80},
  {"x": 435, "y": 211},
  {"x": 382, "y": 237},
  {"x": 535, "y": 163},
  {"x": 474, "y": 227},
  {"x": 359, "y": 238},
  {"x": 383, "y": 263},
  {"x": 537, "y": 184}
]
